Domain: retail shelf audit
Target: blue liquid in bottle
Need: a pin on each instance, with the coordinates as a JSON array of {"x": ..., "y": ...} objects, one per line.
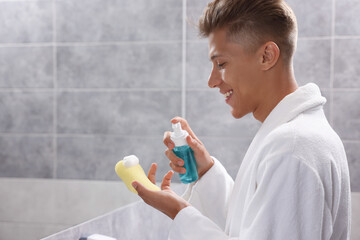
[
  {"x": 183, "y": 151},
  {"x": 186, "y": 153}
]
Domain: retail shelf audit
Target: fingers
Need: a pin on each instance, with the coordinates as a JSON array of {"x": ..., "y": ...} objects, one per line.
[
  {"x": 167, "y": 141},
  {"x": 176, "y": 163},
  {"x": 177, "y": 169},
  {"x": 167, "y": 180},
  {"x": 152, "y": 172}
]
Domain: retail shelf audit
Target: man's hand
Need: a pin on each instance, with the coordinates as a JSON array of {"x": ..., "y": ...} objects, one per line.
[
  {"x": 165, "y": 200},
  {"x": 203, "y": 160}
]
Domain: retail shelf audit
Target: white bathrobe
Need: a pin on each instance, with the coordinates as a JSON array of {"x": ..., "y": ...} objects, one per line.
[{"x": 293, "y": 182}]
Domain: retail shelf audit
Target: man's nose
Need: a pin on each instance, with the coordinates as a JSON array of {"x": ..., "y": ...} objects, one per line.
[{"x": 214, "y": 79}]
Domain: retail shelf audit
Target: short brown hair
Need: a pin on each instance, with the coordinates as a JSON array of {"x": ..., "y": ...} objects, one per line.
[{"x": 253, "y": 22}]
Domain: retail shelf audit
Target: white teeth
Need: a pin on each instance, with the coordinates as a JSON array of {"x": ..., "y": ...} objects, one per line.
[{"x": 228, "y": 93}]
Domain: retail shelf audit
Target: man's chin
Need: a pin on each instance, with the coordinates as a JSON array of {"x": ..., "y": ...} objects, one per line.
[{"x": 237, "y": 114}]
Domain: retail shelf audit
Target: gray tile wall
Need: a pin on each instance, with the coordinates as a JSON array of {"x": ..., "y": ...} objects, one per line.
[{"x": 83, "y": 83}]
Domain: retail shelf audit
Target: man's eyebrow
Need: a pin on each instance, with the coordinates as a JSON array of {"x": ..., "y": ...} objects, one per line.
[{"x": 215, "y": 56}]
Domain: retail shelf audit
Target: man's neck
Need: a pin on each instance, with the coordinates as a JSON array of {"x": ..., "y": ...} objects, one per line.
[{"x": 277, "y": 87}]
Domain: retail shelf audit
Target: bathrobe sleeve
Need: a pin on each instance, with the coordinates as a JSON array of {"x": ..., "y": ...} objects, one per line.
[
  {"x": 213, "y": 189},
  {"x": 287, "y": 204}
]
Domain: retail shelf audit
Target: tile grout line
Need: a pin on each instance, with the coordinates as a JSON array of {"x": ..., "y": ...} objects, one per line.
[
  {"x": 24, "y": 1},
  {"x": 346, "y": 37},
  {"x": 96, "y": 135},
  {"x": 76, "y": 135},
  {"x": 350, "y": 141},
  {"x": 325, "y": 89},
  {"x": 54, "y": 92},
  {"x": 332, "y": 63},
  {"x": 183, "y": 79},
  {"x": 86, "y": 90},
  {"x": 89, "y": 89},
  {"x": 89, "y": 44},
  {"x": 85, "y": 44}
]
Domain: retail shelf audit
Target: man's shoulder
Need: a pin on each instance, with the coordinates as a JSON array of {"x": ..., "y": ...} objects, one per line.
[{"x": 305, "y": 136}]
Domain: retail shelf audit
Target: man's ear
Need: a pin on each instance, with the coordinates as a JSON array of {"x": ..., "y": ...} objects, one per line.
[{"x": 270, "y": 55}]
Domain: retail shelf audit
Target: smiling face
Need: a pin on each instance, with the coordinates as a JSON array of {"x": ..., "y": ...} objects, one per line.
[{"x": 236, "y": 72}]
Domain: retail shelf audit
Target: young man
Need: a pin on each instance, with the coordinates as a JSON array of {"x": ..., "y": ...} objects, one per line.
[{"x": 293, "y": 182}]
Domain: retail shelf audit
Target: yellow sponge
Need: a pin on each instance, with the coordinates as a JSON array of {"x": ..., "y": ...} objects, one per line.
[{"x": 130, "y": 170}]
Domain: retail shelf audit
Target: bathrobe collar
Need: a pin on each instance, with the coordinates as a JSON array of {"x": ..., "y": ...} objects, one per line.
[{"x": 301, "y": 100}]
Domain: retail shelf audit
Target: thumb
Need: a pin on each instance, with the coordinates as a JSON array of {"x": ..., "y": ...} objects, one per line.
[{"x": 141, "y": 190}]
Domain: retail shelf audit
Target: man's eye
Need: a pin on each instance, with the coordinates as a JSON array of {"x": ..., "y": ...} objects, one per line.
[{"x": 221, "y": 65}]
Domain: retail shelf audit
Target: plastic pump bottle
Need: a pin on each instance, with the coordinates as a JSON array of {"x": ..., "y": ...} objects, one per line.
[
  {"x": 130, "y": 170},
  {"x": 183, "y": 151}
]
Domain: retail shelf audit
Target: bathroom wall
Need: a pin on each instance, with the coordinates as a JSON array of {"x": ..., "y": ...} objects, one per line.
[{"x": 83, "y": 83}]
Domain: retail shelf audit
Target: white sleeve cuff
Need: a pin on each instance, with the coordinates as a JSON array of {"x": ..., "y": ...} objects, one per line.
[{"x": 216, "y": 169}]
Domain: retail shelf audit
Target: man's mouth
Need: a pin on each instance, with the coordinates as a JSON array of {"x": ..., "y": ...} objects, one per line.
[{"x": 228, "y": 94}]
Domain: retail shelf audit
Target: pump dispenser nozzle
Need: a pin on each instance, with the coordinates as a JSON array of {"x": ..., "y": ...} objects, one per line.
[
  {"x": 179, "y": 135},
  {"x": 177, "y": 128}
]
